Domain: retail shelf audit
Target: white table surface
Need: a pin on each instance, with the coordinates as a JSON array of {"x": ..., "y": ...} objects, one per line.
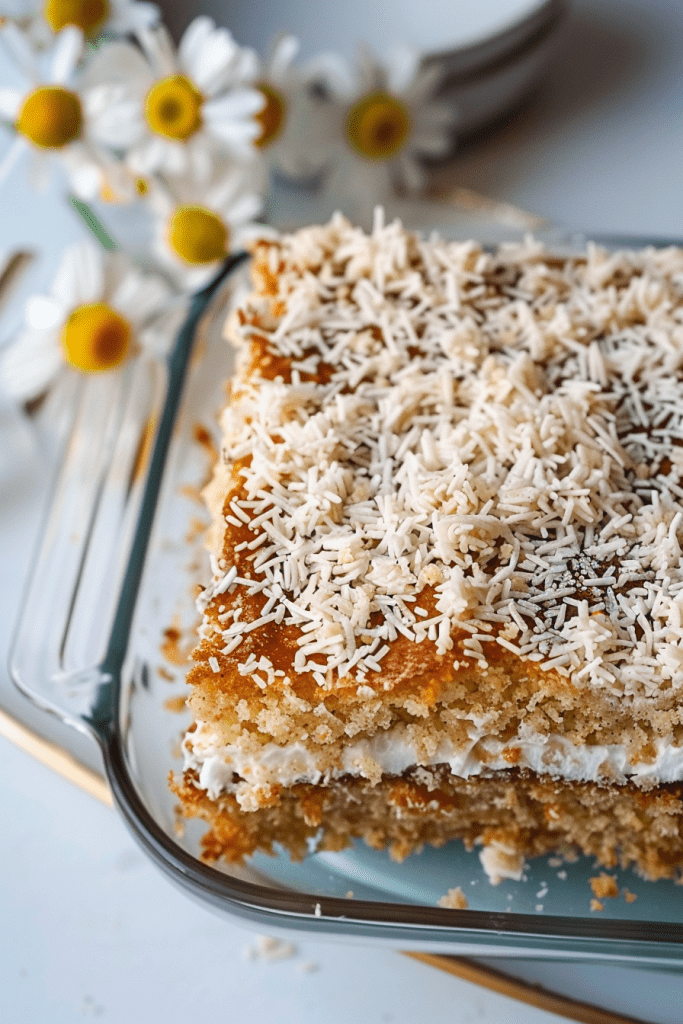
[{"x": 89, "y": 929}]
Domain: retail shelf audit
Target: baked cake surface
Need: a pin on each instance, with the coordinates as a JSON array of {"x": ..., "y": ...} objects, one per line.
[{"x": 447, "y": 586}]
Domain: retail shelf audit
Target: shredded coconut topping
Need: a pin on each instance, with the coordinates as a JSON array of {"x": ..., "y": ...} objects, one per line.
[{"x": 505, "y": 429}]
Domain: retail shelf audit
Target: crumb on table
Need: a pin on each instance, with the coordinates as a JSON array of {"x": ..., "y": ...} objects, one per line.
[
  {"x": 604, "y": 886},
  {"x": 454, "y": 899}
]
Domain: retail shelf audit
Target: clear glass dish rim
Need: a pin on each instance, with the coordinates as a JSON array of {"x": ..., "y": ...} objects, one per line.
[{"x": 404, "y": 923}]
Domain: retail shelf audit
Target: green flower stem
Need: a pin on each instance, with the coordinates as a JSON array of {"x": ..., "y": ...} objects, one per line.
[{"x": 94, "y": 224}]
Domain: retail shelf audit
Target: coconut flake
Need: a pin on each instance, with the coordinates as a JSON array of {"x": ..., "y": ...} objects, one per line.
[{"x": 504, "y": 428}]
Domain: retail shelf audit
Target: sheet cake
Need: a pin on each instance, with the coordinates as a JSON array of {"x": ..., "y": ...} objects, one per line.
[{"x": 447, "y": 593}]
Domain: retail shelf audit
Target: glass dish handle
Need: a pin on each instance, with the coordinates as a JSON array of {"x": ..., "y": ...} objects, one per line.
[
  {"x": 83, "y": 583},
  {"x": 70, "y": 602}
]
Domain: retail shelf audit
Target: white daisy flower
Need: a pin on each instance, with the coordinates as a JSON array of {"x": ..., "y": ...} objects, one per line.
[
  {"x": 199, "y": 224},
  {"x": 170, "y": 111},
  {"x": 40, "y": 20},
  {"x": 49, "y": 114},
  {"x": 389, "y": 122},
  {"x": 100, "y": 311},
  {"x": 294, "y": 128}
]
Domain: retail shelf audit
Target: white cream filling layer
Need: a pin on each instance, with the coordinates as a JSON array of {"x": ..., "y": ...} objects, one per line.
[{"x": 390, "y": 752}]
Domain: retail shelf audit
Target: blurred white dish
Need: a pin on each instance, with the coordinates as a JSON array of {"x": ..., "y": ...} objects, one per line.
[
  {"x": 492, "y": 52},
  {"x": 433, "y": 26}
]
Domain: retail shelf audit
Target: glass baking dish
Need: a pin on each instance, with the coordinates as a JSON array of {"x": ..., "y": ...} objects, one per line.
[{"x": 108, "y": 610}]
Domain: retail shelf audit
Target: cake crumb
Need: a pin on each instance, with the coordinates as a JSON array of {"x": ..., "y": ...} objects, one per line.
[
  {"x": 630, "y": 897},
  {"x": 348, "y": 895},
  {"x": 555, "y": 862},
  {"x": 270, "y": 949},
  {"x": 318, "y": 910},
  {"x": 562, "y": 875},
  {"x": 454, "y": 899},
  {"x": 195, "y": 530},
  {"x": 171, "y": 648},
  {"x": 501, "y": 862},
  {"x": 176, "y": 704},
  {"x": 193, "y": 493},
  {"x": 604, "y": 886},
  {"x": 539, "y": 908},
  {"x": 597, "y": 905}
]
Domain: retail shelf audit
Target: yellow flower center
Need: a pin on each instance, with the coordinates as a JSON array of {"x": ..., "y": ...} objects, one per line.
[
  {"x": 197, "y": 235},
  {"x": 378, "y": 125},
  {"x": 107, "y": 193},
  {"x": 95, "y": 338},
  {"x": 141, "y": 186},
  {"x": 51, "y": 117},
  {"x": 85, "y": 14},
  {"x": 173, "y": 108},
  {"x": 273, "y": 115}
]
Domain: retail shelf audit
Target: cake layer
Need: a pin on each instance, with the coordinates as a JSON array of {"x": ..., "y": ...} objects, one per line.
[
  {"x": 511, "y": 815},
  {"x": 251, "y": 771}
]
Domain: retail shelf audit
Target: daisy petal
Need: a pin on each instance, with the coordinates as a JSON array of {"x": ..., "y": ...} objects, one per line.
[
  {"x": 160, "y": 201},
  {"x": 80, "y": 277},
  {"x": 11, "y": 156},
  {"x": 67, "y": 51},
  {"x": 10, "y": 103},
  {"x": 226, "y": 187},
  {"x": 200, "y": 160},
  {"x": 194, "y": 37},
  {"x": 86, "y": 181},
  {"x": 40, "y": 170},
  {"x": 245, "y": 208},
  {"x": 284, "y": 52},
  {"x": 245, "y": 67},
  {"x": 138, "y": 297},
  {"x": 158, "y": 47},
  {"x": 42, "y": 313},
  {"x": 20, "y": 53},
  {"x": 160, "y": 335},
  {"x": 175, "y": 159},
  {"x": 372, "y": 76},
  {"x": 29, "y": 365},
  {"x": 132, "y": 17},
  {"x": 236, "y": 104},
  {"x": 411, "y": 174},
  {"x": 213, "y": 64},
  {"x": 425, "y": 84},
  {"x": 154, "y": 298},
  {"x": 119, "y": 125},
  {"x": 402, "y": 66},
  {"x": 117, "y": 62},
  {"x": 331, "y": 74},
  {"x": 235, "y": 137},
  {"x": 147, "y": 157},
  {"x": 246, "y": 234}
]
